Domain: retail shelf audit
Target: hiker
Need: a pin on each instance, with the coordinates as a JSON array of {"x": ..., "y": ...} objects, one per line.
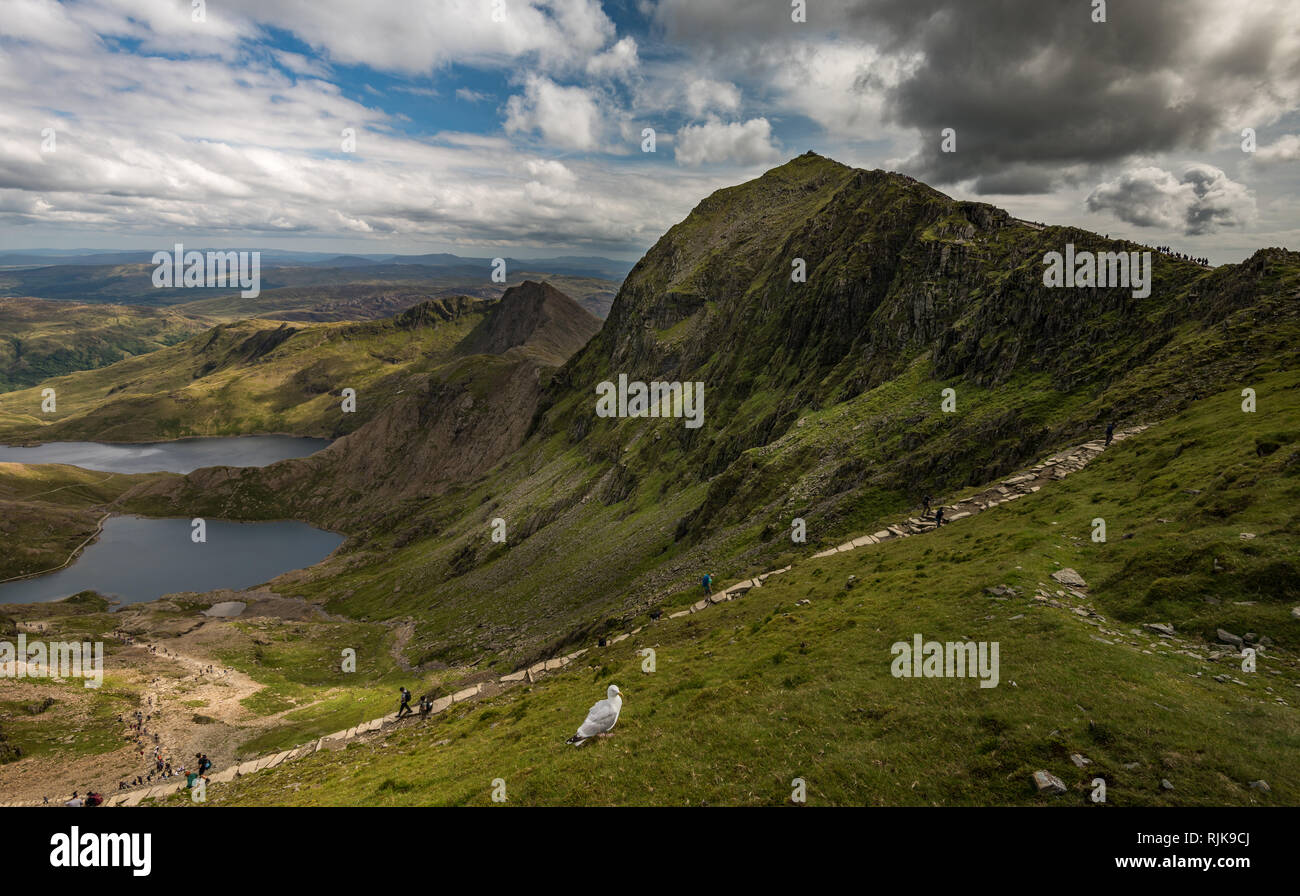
[
  {"x": 1110, "y": 433},
  {"x": 925, "y": 502},
  {"x": 426, "y": 706},
  {"x": 707, "y": 582},
  {"x": 406, "y": 703},
  {"x": 204, "y": 762},
  {"x": 75, "y": 801},
  {"x": 94, "y": 799},
  {"x": 938, "y": 517}
]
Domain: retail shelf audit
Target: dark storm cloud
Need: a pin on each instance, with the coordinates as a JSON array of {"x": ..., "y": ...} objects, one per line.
[
  {"x": 1038, "y": 93},
  {"x": 1034, "y": 86}
]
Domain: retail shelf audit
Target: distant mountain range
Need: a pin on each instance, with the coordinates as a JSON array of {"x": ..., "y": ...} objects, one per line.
[{"x": 573, "y": 265}]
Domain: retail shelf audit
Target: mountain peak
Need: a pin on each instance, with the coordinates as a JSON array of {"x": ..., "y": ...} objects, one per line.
[{"x": 537, "y": 316}]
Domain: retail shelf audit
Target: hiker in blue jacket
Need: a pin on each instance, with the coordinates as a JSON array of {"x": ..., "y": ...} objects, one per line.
[{"x": 707, "y": 582}]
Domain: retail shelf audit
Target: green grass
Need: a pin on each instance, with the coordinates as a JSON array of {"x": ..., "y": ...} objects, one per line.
[
  {"x": 253, "y": 376},
  {"x": 752, "y": 694}
]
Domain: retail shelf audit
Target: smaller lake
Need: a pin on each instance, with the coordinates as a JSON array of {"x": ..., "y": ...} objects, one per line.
[
  {"x": 181, "y": 456},
  {"x": 137, "y": 559}
]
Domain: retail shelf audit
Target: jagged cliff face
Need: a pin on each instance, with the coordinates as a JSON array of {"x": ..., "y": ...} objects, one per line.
[{"x": 896, "y": 273}]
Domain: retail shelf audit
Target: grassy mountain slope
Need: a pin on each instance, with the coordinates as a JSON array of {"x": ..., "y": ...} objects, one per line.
[
  {"x": 822, "y": 403},
  {"x": 247, "y": 377},
  {"x": 751, "y": 694},
  {"x": 49, "y": 510},
  {"x": 40, "y": 339}
]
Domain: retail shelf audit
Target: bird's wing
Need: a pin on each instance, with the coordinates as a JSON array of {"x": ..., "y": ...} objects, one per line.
[{"x": 600, "y": 718}]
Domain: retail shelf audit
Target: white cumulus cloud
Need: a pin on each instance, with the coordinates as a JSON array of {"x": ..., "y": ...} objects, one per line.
[
  {"x": 1201, "y": 201},
  {"x": 743, "y": 143}
]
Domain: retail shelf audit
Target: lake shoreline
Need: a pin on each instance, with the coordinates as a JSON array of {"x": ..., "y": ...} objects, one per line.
[
  {"x": 197, "y": 588},
  {"x": 178, "y": 456},
  {"x": 246, "y": 435}
]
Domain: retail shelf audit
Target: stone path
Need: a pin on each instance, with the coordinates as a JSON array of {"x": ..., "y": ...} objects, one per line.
[{"x": 1054, "y": 468}]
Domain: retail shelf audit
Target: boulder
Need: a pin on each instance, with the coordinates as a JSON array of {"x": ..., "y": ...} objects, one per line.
[
  {"x": 1163, "y": 628},
  {"x": 1046, "y": 782},
  {"x": 1068, "y": 576},
  {"x": 1227, "y": 637}
]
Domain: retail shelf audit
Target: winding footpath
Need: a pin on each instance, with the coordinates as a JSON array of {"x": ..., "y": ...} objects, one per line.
[{"x": 1027, "y": 482}]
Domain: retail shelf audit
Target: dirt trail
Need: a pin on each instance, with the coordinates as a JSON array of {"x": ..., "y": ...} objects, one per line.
[{"x": 166, "y": 680}]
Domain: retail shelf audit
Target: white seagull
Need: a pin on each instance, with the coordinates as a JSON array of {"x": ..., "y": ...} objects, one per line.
[{"x": 600, "y": 718}]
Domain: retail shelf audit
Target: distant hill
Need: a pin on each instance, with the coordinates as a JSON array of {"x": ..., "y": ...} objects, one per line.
[
  {"x": 288, "y": 283},
  {"x": 254, "y": 375},
  {"x": 40, "y": 339}
]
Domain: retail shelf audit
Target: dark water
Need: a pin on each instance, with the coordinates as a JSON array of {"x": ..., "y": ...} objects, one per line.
[
  {"x": 138, "y": 559},
  {"x": 183, "y": 456}
]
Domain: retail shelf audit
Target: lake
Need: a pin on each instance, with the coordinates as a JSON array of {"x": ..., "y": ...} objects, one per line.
[
  {"x": 137, "y": 559},
  {"x": 182, "y": 456}
]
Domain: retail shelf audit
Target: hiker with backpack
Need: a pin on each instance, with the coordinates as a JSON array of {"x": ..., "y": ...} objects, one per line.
[
  {"x": 707, "y": 582},
  {"x": 938, "y": 517},
  {"x": 1110, "y": 433},
  {"x": 406, "y": 703}
]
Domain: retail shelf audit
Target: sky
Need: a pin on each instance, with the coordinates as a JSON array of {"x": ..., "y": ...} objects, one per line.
[{"x": 516, "y": 127}]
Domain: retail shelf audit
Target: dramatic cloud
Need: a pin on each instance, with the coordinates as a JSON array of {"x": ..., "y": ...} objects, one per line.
[
  {"x": 1038, "y": 93},
  {"x": 236, "y": 124},
  {"x": 1042, "y": 88},
  {"x": 1203, "y": 200},
  {"x": 747, "y": 143}
]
